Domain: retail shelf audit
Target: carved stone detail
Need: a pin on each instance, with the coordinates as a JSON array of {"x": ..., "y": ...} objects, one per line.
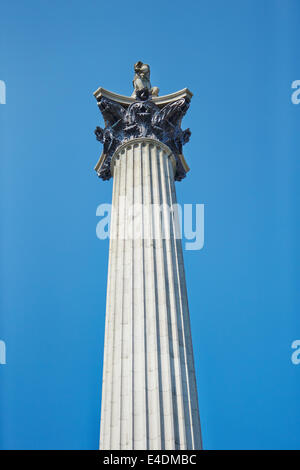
[
  {"x": 142, "y": 79},
  {"x": 142, "y": 118}
]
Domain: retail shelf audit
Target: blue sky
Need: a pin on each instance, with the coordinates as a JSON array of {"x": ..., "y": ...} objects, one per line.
[{"x": 239, "y": 59}]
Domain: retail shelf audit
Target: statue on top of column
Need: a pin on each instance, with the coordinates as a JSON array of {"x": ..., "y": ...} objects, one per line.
[{"x": 141, "y": 80}]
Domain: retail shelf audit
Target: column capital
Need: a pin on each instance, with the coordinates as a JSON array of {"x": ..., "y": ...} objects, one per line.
[{"x": 143, "y": 115}]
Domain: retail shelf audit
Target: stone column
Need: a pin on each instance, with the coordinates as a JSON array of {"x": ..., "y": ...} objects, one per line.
[{"x": 149, "y": 395}]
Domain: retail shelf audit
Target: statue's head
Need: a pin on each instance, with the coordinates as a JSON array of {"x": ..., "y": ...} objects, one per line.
[
  {"x": 137, "y": 66},
  {"x": 142, "y": 69}
]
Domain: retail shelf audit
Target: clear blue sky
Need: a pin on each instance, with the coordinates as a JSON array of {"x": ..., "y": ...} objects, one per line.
[{"x": 239, "y": 59}]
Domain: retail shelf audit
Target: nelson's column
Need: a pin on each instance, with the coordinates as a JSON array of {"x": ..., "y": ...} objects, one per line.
[{"x": 149, "y": 393}]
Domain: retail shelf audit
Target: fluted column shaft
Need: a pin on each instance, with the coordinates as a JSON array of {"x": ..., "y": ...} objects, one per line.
[{"x": 149, "y": 395}]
